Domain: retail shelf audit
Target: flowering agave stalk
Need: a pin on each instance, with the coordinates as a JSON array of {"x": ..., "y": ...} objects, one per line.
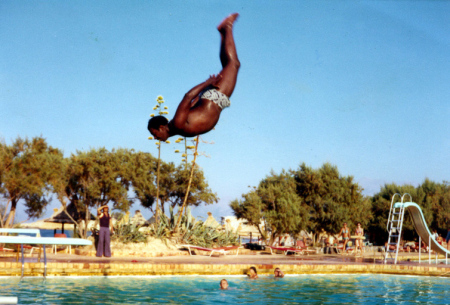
[
  {"x": 184, "y": 155},
  {"x": 189, "y": 184},
  {"x": 161, "y": 111}
]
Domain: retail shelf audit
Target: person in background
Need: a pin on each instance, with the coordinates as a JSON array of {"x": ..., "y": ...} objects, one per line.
[
  {"x": 104, "y": 242},
  {"x": 359, "y": 232},
  {"x": 329, "y": 244},
  {"x": 345, "y": 233}
]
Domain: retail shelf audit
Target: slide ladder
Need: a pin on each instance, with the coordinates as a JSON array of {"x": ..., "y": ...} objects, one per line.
[{"x": 394, "y": 227}]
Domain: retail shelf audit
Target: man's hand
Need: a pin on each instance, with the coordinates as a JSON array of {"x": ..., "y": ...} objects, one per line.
[{"x": 213, "y": 80}]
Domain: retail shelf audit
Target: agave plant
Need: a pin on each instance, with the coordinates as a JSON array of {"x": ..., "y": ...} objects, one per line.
[
  {"x": 191, "y": 231},
  {"x": 128, "y": 232}
]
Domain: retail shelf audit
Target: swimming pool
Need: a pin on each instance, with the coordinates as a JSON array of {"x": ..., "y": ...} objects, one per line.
[{"x": 309, "y": 289}]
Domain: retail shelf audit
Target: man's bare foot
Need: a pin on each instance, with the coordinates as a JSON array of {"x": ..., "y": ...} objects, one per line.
[{"x": 227, "y": 22}]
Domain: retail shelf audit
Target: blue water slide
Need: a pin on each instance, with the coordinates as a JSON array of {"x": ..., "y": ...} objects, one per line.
[{"x": 421, "y": 226}]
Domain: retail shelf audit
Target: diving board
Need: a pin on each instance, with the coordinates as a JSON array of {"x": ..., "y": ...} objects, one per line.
[
  {"x": 36, "y": 232},
  {"x": 27, "y": 240}
]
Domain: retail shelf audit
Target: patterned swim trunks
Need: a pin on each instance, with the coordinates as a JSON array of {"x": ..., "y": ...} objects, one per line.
[{"x": 217, "y": 97}]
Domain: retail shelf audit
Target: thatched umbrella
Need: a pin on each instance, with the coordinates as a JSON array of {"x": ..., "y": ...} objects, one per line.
[{"x": 59, "y": 216}]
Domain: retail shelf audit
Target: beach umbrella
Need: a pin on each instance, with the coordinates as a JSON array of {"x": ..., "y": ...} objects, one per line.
[{"x": 60, "y": 217}]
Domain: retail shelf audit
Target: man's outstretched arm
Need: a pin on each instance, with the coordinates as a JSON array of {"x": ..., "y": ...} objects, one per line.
[{"x": 181, "y": 115}]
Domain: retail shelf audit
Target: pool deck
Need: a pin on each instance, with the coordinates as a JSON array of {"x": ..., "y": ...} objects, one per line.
[{"x": 62, "y": 264}]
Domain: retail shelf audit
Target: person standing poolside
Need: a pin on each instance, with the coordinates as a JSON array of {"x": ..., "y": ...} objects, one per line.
[
  {"x": 224, "y": 284},
  {"x": 199, "y": 110},
  {"x": 359, "y": 232},
  {"x": 345, "y": 233},
  {"x": 252, "y": 273},
  {"x": 104, "y": 242},
  {"x": 278, "y": 273}
]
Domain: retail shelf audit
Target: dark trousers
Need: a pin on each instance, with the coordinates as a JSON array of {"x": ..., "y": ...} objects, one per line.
[{"x": 104, "y": 241}]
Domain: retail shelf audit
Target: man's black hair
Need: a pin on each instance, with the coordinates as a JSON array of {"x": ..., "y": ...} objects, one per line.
[{"x": 157, "y": 121}]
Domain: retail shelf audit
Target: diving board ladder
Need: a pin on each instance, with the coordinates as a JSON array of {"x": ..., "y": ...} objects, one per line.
[{"x": 394, "y": 227}]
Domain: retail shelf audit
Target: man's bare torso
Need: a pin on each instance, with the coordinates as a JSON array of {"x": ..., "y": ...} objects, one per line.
[{"x": 202, "y": 117}]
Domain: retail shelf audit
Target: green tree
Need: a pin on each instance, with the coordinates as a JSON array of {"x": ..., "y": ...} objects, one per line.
[
  {"x": 332, "y": 199},
  {"x": 276, "y": 203},
  {"x": 144, "y": 185},
  {"x": 442, "y": 210},
  {"x": 62, "y": 188},
  {"x": 199, "y": 191},
  {"x": 26, "y": 167},
  {"x": 437, "y": 199},
  {"x": 143, "y": 178},
  {"x": 172, "y": 187},
  {"x": 96, "y": 178}
]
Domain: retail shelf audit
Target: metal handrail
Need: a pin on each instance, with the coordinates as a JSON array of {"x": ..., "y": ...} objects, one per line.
[
  {"x": 410, "y": 197},
  {"x": 401, "y": 218},
  {"x": 390, "y": 210}
]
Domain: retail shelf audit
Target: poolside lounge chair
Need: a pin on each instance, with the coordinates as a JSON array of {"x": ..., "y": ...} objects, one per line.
[
  {"x": 300, "y": 249},
  {"x": 340, "y": 248},
  {"x": 2, "y": 249},
  {"x": 220, "y": 250},
  {"x": 301, "y": 245},
  {"x": 68, "y": 248},
  {"x": 351, "y": 248},
  {"x": 285, "y": 250}
]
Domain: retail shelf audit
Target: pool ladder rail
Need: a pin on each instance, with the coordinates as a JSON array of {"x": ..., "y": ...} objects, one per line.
[{"x": 394, "y": 227}]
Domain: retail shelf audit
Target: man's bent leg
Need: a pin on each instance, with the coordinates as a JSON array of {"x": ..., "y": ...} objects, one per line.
[{"x": 228, "y": 57}]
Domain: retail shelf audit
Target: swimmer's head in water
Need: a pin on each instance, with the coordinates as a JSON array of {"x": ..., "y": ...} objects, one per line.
[
  {"x": 158, "y": 127},
  {"x": 252, "y": 273},
  {"x": 278, "y": 273},
  {"x": 224, "y": 284}
]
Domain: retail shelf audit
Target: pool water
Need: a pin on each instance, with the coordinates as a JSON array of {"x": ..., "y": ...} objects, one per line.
[{"x": 308, "y": 289}]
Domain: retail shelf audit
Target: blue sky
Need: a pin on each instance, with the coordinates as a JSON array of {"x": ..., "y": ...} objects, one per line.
[{"x": 363, "y": 85}]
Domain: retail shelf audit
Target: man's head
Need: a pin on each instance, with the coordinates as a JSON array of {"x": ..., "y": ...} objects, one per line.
[
  {"x": 158, "y": 127},
  {"x": 224, "y": 284},
  {"x": 278, "y": 273}
]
